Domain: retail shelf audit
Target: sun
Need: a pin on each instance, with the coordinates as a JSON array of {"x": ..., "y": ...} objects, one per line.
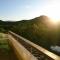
[
  {"x": 55, "y": 21},
  {"x": 53, "y": 11}
]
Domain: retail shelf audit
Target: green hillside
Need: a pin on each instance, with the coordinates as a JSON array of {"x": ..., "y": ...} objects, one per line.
[{"x": 38, "y": 30}]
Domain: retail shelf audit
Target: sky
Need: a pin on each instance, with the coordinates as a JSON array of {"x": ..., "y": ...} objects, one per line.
[{"x": 14, "y": 10}]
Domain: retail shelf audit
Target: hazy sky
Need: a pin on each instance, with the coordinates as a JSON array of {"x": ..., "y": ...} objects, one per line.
[{"x": 27, "y": 9}]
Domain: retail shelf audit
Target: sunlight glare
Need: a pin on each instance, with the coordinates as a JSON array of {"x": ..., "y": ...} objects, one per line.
[
  {"x": 55, "y": 21},
  {"x": 53, "y": 11}
]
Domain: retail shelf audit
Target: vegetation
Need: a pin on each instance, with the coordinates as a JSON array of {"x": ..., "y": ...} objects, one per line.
[
  {"x": 6, "y": 51},
  {"x": 38, "y": 30}
]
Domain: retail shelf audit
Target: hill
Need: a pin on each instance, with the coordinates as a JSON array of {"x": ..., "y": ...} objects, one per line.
[{"x": 38, "y": 30}]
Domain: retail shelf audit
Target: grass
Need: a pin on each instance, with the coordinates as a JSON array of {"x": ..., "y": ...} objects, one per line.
[
  {"x": 6, "y": 52},
  {"x": 4, "y": 42}
]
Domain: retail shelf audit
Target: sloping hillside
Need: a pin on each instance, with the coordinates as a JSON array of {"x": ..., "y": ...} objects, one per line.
[{"x": 39, "y": 30}]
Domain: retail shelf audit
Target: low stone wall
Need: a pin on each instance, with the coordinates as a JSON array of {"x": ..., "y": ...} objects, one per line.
[
  {"x": 21, "y": 52},
  {"x": 40, "y": 50}
]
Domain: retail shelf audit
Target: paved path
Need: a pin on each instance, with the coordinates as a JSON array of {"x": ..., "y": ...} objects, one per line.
[{"x": 6, "y": 52}]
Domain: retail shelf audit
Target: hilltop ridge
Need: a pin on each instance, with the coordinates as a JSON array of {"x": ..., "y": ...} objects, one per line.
[{"x": 36, "y": 30}]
